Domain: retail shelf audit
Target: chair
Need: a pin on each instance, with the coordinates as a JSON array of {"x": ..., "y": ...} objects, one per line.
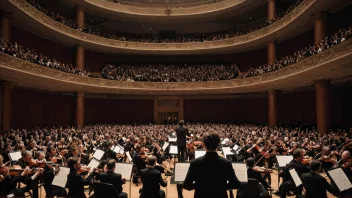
[
  {"x": 103, "y": 190},
  {"x": 249, "y": 190}
]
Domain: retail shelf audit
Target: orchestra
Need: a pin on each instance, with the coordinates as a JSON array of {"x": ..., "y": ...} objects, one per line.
[{"x": 44, "y": 152}]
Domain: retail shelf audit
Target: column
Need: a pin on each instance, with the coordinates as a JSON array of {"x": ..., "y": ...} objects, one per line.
[
  {"x": 156, "y": 116},
  {"x": 271, "y": 9},
  {"x": 80, "y": 109},
  {"x": 80, "y": 17},
  {"x": 273, "y": 103},
  {"x": 181, "y": 114},
  {"x": 271, "y": 52},
  {"x": 80, "y": 57},
  {"x": 320, "y": 26},
  {"x": 322, "y": 91},
  {"x": 6, "y": 106},
  {"x": 5, "y": 26}
]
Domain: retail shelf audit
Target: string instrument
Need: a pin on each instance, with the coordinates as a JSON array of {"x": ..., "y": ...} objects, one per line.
[
  {"x": 83, "y": 170},
  {"x": 329, "y": 158},
  {"x": 190, "y": 147},
  {"x": 15, "y": 170},
  {"x": 262, "y": 169},
  {"x": 305, "y": 161}
]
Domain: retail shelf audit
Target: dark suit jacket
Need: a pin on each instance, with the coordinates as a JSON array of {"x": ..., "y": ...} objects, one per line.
[
  {"x": 300, "y": 169},
  {"x": 211, "y": 174},
  {"x": 255, "y": 175},
  {"x": 316, "y": 185},
  {"x": 75, "y": 184},
  {"x": 113, "y": 178},
  {"x": 138, "y": 161},
  {"x": 151, "y": 180},
  {"x": 181, "y": 134}
]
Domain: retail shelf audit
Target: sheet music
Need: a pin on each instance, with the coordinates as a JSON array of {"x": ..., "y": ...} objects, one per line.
[
  {"x": 61, "y": 178},
  {"x": 227, "y": 151},
  {"x": 241, "y": 171},
  {"x": 199, "y": 153},
  {"x": 119, "y": 149},
  {"x": 295, "y": 177},
  {"x": 181, "y": 170},
  {"x": 166, "y": 144},
  {"x": 284, "y": 159},
  {"x": 124, "y": 169},
  {"x": 172, "y": 139},
  {"x": 340, "y": 179},
  {"x": 237, "y": 148},
  {"x": 173, "y": 150},
  {"x": 129, "y": 156},
  {"x": 98, "y": 154},
  {"x": 225, "y": 141},
  {"x": 93, "y": 163},
  {"x": 15, "y": 156}
]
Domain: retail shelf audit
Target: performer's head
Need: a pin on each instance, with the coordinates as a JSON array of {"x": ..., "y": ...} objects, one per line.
[
  {"x": 211, "y": 141},
  {"x": 297, "y": 154},
  {"x": 315, "y": 166},
  {"x": 181, "y": 123},
  {"x": 73, "y": 162},
  {"x": 27, "y": 156},
  {"x": 151, "y": 161},
  {"x": 111, "y": 165},
  {"x": 250, "y": 162}
]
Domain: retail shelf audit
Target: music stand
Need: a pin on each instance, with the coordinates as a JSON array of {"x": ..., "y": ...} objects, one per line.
[
  {"x": 295, "y": 177},
  {"x": 173, "y": 151},
  {"x": 61, "y": 178},
  {"x": 282, "y": 161},
  {"x": 125, "y": 169},
  {"x": 241, "y": 171},
  {"x": 98, "y": 154},
  {"x": 199, "y": 153},
  {"x": 180, "y": 172},
  {"x": 340, "y": 179},
  {"x": 227, "y": 151},
  {"x": 15, "y": 156}
]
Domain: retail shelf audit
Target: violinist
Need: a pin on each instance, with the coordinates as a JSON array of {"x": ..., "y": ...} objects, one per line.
[
  {"x": 75, "y": 182},
  {"x": 33, "y": 147},
  {"x": 346, "y": 163},
  {"x": 8, "y": 149},
  {"x": 300, "y": 168},
  {"x": 7, "y": 183},
  {"x": 328, "y": 158},
  {"x": 31, "y": 182},
  {"x": 139, "y": 162}
]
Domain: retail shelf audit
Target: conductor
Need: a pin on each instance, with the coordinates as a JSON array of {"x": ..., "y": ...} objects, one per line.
[
  {"x": 211, "y": 175},
  {"x": 181, "y": 134}
]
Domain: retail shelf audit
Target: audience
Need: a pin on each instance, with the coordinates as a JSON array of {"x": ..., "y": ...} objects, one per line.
[
  {"x": 18, "y": 51},
  {"x": 151, "y": 38},
  {"x": 335, "y": 39},
  {"x": 170, "y": 73}
]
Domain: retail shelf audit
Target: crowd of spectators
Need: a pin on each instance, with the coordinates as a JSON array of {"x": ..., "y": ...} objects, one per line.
[
  {"x": 149, "y": 38},
  {"x": 170, "y": 73},
  {"x": 19, "y": 51},
  {"x": 299, "y": 55}
]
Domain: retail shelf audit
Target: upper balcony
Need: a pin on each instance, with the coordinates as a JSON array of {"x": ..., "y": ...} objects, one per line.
[
  {"x": 297, "y": 21},
  {"x": 333, "y": 64},
  {"x": 199, "y": 10}
]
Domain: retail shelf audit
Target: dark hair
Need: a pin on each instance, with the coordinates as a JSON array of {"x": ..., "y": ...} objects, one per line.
[
  {"x": 151, "y": 160},
  {"x": 250, "y": 162},
  {"x": 315, "y": 165},
  {"x": 181, "y": 123},
  {"x": 138, "y": 147},
  {"x": 72, "y": 161},
  {"x": 296, "y": 153},
  {"x": 211, "y": 141},
  {"x": 111, "y": 164}
]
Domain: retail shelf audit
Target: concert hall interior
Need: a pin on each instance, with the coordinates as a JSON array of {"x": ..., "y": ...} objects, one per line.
[{"x": 176, "y": 98}]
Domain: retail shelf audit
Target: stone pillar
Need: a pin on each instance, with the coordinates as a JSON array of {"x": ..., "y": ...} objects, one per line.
[
  {"x": 271, "y": 9},
  {"x": 156, "y": 116},
  {"x": 322, "y": 91},
  {"x": 5, "y": 26},
  {"x": 80, "y": 109},
  {"x": 181, "y": 112},
  {"x": 6, "y": 106},
  {"x": 80, "y": 17},
  {"x": 320, "y": 26},
  {"x": 273, "y": 108},
  {"x": 80, "y": 57},
  {"x": 271, "y": 52}
]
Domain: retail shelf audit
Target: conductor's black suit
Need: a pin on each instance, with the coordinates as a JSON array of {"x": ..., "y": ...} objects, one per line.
[
  {"x": 212, "y": 176},
  {"x": 181, "y": 134}
]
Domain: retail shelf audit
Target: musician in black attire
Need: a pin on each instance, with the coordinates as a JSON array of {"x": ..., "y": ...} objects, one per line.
[
  {"x": 138, "y": 162},
  {"x": 181, "y": 134},
  {"x": 315, "y": 184},
  {"x": 110, "y": 177},
  {"x": 8, "y": 183},
  {"x": 212, "y": 174},
  {"x": 256, "y": 175},
  {"x": 30, "y": 181},
  {"x": 75, "y": 182},
  {"x": 287, "y": 183},
  {"x": 50, "y": 190},
  {"x": 152, "y": 180}
]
